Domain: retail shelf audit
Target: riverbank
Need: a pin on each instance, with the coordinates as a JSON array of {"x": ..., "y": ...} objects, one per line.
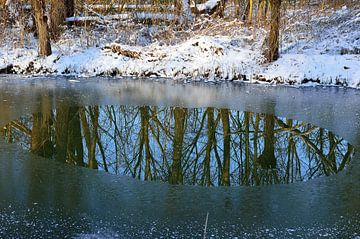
[{"x": 320, "y": 47}]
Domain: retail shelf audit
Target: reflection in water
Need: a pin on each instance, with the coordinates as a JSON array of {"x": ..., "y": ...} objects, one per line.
[{"x": 203, "y": 146}]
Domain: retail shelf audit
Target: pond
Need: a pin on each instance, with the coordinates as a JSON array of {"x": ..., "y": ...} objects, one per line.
[{"x": 195, "y": 136}]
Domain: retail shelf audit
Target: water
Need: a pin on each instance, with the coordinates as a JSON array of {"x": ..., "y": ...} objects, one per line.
[
  {"x": 195, "y": 146},
  {"x": 47, "y": 198}
]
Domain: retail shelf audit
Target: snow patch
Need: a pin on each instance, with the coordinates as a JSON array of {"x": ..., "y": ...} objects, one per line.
[{"x": 207, "y": 6}]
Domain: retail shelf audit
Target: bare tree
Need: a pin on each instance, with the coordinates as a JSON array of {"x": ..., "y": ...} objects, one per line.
[
  {"x": 226, "y": 147},
  {"x": 41, "y": 143},
  {"x": 42, "y": 28},
  {"x": 60, "y": 10},
  {"x": 176, "y": 175},
  {"x": 183, "y": 7},
  {"x": 273, "y": 51}
]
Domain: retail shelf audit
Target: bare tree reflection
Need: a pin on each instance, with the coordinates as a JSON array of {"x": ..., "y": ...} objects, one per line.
[{"x": 182, "y": 146}]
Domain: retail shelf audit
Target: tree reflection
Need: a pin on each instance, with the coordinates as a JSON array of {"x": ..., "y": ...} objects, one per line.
[
  {"x": 68, "y": 138},
  {"x": 41, "y": 143},
  {"x": 204, "y": 146}
]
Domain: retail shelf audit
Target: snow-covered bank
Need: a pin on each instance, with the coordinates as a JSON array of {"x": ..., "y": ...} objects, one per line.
[
  {"x": 323, "y": 50},
  {"x": 200, "y": 58},
  {"x": 341, "y": 70}
]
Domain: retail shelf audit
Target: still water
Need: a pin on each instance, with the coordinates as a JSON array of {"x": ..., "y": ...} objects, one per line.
[
  {"x": 195, "y": 146},
  {"x": 297, "y": 147}
]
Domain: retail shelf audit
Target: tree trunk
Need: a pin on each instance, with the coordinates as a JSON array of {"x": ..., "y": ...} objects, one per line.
[
  {"x": 68, "y": 135},
  {"x": 255, "y": 163},
  {"x": 4, "y": 17},
  {"x": 247, "y": 148},
  {"x": 183, "y": 6},
  {"x": 237, "y": 8},
  {"x": 250, "y": 11},
  {"x": 261, "y": 13},
  {"x": 144, "y": 112},
  {"x": 94, "y": 116},
  {"x": 41, "y": 143},
  {"x": 42, "y": 28},
  {"x": 268, "y": 160},
  {"x": 90, "y": 128},
  {"x": 176, "y": 170},
  {"x": 265, "y": 10},
  {"x": 226, "y": 131},
  {"x": 209, "y": 145},
  {"x": 75, "y": 143},
  {"x": 57, "y": 17},
  {"x": 331, "y": 155},
  {"x": 222, "y": 8},
  {"x": 69, "y": 8},
  {"x": 61, "y": 132},
  {"x": 246, "y": 12},
  {"x": 60, "y": 10},
  {"x": 273, "y": 51}
]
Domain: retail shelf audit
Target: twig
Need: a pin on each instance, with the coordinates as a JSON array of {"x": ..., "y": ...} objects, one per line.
[{"x": 206, "y": 222}]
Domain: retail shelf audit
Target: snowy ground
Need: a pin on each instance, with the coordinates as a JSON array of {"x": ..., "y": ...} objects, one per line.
[{"x": 321, "y": 47}]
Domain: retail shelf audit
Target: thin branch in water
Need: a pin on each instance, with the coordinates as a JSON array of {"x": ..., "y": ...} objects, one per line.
[{"x": 206, "y": 222}]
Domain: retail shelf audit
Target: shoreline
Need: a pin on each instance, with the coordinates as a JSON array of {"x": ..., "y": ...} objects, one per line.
[
  {"x": 269, "y": 74},
  {"x": 73, "y": 78}
]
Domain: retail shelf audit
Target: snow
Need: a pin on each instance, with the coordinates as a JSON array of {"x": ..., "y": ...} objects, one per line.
[
  {"x": 322, "y": 33},
  {"x": 207, "y": 6},
  {"x": 324, "y": 69},
  {"x": 79, "y": 18},
  {"x": 324, "y": 50}
]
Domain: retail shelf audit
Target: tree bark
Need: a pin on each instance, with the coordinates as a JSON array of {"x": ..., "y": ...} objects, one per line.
[
  {"x": 144, "y": 112},
  {"x": 246, "y": 12},
  {"x": 4, "y": 17},
  {"x": 273, "y": 51},
  {"x": 41, "y": 143},
  {"x": 247, "y": 116},
  {"x": 68, "y": 135},
  {"x": 94, "y": 116},
  {"x": 61, "y": 129},
  {"x": 60, "y": 10},
  {"x": 42, "y": 28},
  {"x": 75, "y": 143},
  {"x": 90, "y": 128},
  {"x": 221, "y": 10},
  {"x": 250, "y": 11},
  {"x": 176, "y": 170},
  {"x": 226, "y": 145},
  {"x": 69, "y": 8},
  {"x": 255, "y": 141},
  {"x": 183, "y": 6},
  {"x": 209, "y": 145},
  {"x": 267, "y": 159}
]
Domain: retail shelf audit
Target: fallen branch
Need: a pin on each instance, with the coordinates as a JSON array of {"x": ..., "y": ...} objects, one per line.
[
  {"x": 140, "y": 16},
  {"x": 6, "y": 69},
  {"x": 118, "y": 49}
]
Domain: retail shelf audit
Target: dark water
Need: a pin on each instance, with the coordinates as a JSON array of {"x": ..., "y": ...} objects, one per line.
[
  {"x": 195, "y": 146},
  {"x": 309, "y": 131}
]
